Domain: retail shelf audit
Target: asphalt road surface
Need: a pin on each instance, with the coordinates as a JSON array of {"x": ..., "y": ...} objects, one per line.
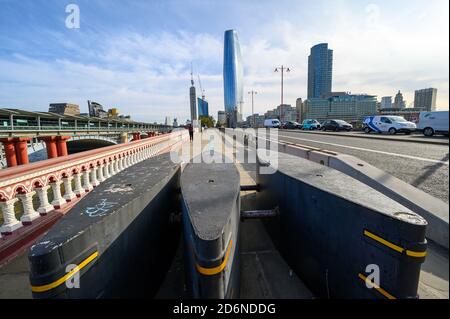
[{"x": 424, "y": 166}]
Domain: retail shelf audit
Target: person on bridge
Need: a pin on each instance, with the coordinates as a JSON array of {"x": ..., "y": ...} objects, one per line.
[{"x": 191, "y": 132}]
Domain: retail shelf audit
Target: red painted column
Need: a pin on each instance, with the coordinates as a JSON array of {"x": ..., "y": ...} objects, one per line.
[
  {"x": 21, "y": 150},
  {"x": 61, "y": 145},
  {"x": 10, "y": 151},
  {"x": 50, "y": 143},
  {"x": 136, "y": 136}
]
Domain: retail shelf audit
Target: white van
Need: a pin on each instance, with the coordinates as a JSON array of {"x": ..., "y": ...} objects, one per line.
[
  {"x": 388, "y": 124},
  {"x": 272, "y": 123},
  {"x": 435, "y": 122}
]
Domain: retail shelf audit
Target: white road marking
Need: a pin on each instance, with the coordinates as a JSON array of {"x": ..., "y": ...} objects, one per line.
[{"x": 370, "y": 150}]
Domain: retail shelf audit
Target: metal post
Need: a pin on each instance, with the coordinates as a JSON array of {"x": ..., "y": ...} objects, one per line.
[
  {"x": 252, "y": 92},
  {"x": 282, "y": 68}
]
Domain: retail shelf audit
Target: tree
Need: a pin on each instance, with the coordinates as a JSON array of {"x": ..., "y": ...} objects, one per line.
[{"x": 207, "y": 121}]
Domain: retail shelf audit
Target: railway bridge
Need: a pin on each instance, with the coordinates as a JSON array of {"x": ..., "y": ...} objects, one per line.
[{"x": 24, "y": 132}]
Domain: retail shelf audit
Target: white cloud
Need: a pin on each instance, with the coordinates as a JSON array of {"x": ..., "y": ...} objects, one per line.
[{"x": 147, "y": 74}]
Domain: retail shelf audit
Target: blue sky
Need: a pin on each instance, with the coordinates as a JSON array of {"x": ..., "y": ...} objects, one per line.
[{"x": 135, "y": 55}]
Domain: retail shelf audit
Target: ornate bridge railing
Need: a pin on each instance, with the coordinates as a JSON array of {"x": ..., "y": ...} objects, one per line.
[{"x": 65, "y": 179}]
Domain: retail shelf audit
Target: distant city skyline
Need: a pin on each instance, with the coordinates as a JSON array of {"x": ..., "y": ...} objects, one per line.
[{"x": 143, "y": 66}]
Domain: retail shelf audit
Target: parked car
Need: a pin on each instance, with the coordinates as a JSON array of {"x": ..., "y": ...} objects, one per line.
[
  {"x": 388, "y": 124},
  {"x": 336, "y": 125},
  {"x": 310, "y": 124},
  {"x": 272, "y": 123},
  {"x": 291, "y": 125},
  {"x": 431, "y": 123}
]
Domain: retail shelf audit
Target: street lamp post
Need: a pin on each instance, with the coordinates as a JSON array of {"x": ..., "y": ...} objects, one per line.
[
  {"x": 282, "y": 68},
  {"x": 252, "y": 92}
]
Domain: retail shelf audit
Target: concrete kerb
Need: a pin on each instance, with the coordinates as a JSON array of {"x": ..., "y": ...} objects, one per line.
[
  {"x": 377, "y": 137},
  {"x": 435, "y": 211}
]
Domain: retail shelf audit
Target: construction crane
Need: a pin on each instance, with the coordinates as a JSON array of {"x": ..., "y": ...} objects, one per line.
[{"x": 201, "y": 89}]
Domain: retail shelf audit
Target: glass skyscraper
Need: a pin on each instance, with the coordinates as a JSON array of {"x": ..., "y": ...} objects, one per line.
[
  {"x": 232, "y": 78},
  {"x": 203, "y": 108},
  {"x": 320, "y": 69}
]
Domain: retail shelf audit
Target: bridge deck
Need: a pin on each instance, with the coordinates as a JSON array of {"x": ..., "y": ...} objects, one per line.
[{"x": 264, "y": 272}]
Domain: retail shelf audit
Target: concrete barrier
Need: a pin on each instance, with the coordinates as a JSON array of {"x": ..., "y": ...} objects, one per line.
[
  {"x": 434, "y": 210},
  {"x": 211, "y": 208},
  {"x": 119, "y": 238},
  {"x": 336, "y": 231}
]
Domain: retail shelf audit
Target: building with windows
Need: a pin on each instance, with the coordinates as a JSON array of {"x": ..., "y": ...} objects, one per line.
[
  {"x": 232, "y": 78},
  {"x": 64, "y": 108},
  {"x": 221, "y": 117},
  {"x": 299, "y": 106},
  {"x": 203, "y": 108},
  {"x": 192, "y": 96},
  {"x": 255, "y": 120},
  {"x": 386, "y": 102},
  {"x": 399, "y": 103},
  {"x": 320, "y": 69},
  {"x": 425, "y": 99},
  {"x": 347, "y": 107}
]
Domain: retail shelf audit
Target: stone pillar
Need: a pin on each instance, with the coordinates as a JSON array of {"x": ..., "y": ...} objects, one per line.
[
  {"x": 94, "y": 180},
  {"x": 101, "y": 178},
  {"x": 58, "y": 200},
  {"x": 68, "y": 192},
  {"x": 29, "y": 214},
  {"x": 87, "y": 186},
  {"x": 106, "y": 173},
  {"x": 61, "y": 145},
  {"x": 79, "y": 190},
  {"x": 50, "y": 143},
  {"x": 22, "y": 150},
  {"x": 128, "y": 159},
  {"x": 45, "y": 206},
  {"x": 10, "y": 222},
  {"x": 124, "y": 138},
  {"x": 10, "y": 151},
  {"x": 112, "y": 167},
  {"x": 116, "y": 165}
]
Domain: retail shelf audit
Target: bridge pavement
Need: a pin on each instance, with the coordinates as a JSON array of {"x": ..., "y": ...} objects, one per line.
[{"x": 264, "y": 272}]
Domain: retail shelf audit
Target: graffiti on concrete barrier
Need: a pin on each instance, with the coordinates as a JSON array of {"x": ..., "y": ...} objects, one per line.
[{"x": 99, "y": 209}]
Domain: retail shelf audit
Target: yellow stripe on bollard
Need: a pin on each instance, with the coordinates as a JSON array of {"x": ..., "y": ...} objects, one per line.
[
  {"x": 411, "y": 253},
  {"x": 63, "y": 279},
  {"x": 378, "y": 288},
  {"x": 217, "y": 269}
]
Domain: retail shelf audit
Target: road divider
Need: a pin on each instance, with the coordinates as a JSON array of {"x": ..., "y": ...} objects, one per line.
[
  {"x": 434, "y": 210},
  {"x": 342, "y": 237}
]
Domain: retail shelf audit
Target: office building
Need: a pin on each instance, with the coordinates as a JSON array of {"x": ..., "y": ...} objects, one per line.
[
  {"x": 347, "y": 107},
  {"x": 203, "y": 108},
  {"x": 64, "y": 108},
  {"x": 232, "y": 78},
  {"x": 425, "y": 99},
  {"x": 300, "y": 109},
  {"x": 386, "y": 102},
  {"x": 255, "y": 120},
  {"x": 320, "y": 68},
  {"x": 221, "y": 118}
]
